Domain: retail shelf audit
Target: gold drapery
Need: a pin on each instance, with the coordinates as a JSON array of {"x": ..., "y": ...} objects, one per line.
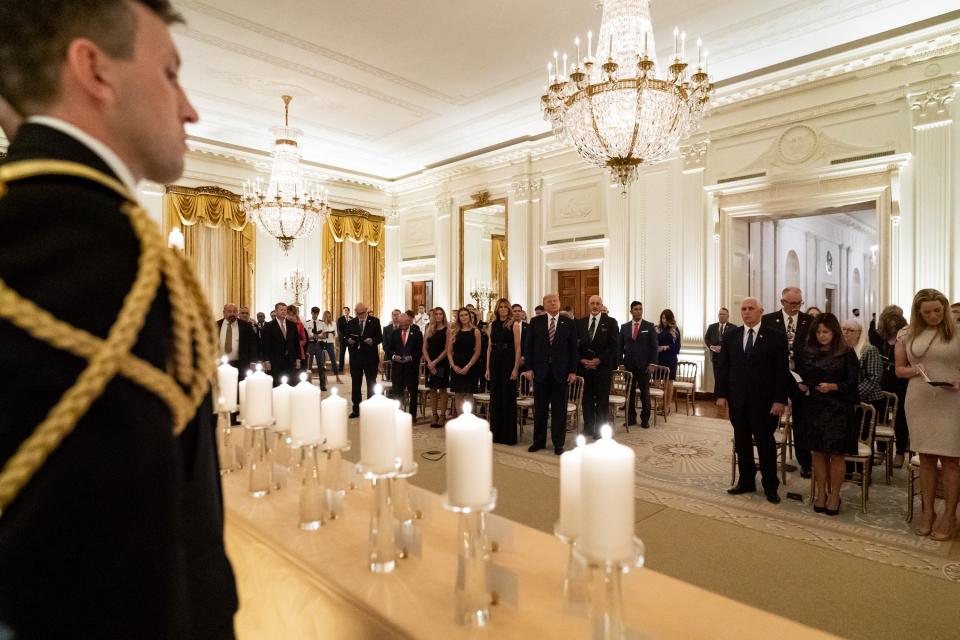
[
  {"x": 201, "y": 210},
  {"x": 366, "y": 230},
  {"x": 498, "y": 264}
]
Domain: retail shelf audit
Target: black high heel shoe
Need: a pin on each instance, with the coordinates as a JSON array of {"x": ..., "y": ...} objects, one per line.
[
  {"x": 833, "y": 512},
  {"x": 817, "y": 509}
]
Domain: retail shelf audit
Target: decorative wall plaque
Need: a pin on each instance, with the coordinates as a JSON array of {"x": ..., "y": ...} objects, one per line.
[{"x": 797, "y": 144}]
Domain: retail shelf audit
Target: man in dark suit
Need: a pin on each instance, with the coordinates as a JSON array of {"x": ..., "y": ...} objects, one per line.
[
  {"x": 342, "y": 336},
  {"x": 597, "y": 336},
  {"x": 258, "y": 331},
  {"x": 388, "y": 331},
  {"x": 126, "y": 508},
  {"x": 520, "y": 316},
  {"x": 406, "y": 349},
  {"x": 794, "y": 324},
  {"x": 639, "y": 352},
  {"x": 237, "y": 340},
  {"x": 363, "y": 339},
  {"x": 281, "y": 346},
  {"x": 550, "y": 353},
  {"x": 714, "y": 335},
  {"x": 751, "y": 380}
]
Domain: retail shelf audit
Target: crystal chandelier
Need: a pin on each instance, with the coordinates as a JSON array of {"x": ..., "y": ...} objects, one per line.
[
  {"x": 621, "y": 115},
  {"x": 288, "y": 208}
]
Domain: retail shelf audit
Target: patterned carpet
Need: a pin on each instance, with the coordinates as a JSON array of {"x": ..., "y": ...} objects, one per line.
[{"x": 685, "y": 464}]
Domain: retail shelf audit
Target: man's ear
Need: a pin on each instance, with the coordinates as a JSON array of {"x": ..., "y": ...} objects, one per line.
[{"x": 90, "y": 68}]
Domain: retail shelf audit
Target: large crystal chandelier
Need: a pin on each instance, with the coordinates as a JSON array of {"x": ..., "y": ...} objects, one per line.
[
  {"x": 288, "y": 208},
  {"x": 620, "y": 115}
]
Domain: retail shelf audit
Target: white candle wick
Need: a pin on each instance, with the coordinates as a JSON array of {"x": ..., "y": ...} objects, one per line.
[
  {"x": 250, "y": 373},
  {"x": 467, "y": 408},
  {"x": 303, "y": 377},
  {"x": 581, "y": 441},
  {"x": 283, "y": 380},
  {"x": 606, "y": 432},
  {"x": 334, "y": 391},
  {"x": 259, "y": 367},
  {"x": 378, "y": 390},
  {"x": 224, "y": 360}
]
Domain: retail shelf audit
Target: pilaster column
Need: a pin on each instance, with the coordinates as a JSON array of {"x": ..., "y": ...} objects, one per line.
[
  {"x": 443, "y": 289},
  {"x": 392, "y": 283},
  {"x": 695, "y": 239},
  {"x": 935, "y": 266},
  {"x": 518, "y": 238}
]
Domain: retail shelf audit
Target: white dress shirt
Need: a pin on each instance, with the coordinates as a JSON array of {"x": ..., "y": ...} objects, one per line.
[
  {"x": 595, "y": 319},
  {"x": 786, "y": 319},
  {"x": 327, "y": 326},
  {"x": 105, "y": 153},
  {"x": 233, "y": 350},
  {"x": 746, "y": 334}
]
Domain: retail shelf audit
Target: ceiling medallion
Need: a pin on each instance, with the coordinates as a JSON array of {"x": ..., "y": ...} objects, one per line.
[
  {"x": 288, "y": 209},
  {"x": 621, "y": 115}
]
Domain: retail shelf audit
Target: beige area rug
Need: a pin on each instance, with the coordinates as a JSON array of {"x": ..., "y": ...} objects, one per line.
[{"x": 685, "y": 464}]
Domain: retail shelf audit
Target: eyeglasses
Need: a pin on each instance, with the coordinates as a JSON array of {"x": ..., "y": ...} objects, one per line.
[
  {"x": 846, "y": 330},
  {"x": 792, "y": 304}
]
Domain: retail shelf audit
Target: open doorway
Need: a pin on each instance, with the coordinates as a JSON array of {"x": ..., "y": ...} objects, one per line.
[{"x": 830, "y": 254}]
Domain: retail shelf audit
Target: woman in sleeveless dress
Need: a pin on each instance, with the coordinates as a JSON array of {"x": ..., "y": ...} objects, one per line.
[
  {"x": 463, "y": 351},
  {"x": 503, "y": 362},
  {"x": 928, "y": 350},
  {"x": 438, "y": 369}
]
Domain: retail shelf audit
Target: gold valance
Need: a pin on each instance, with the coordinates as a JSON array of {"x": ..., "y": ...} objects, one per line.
[
  {"x": 210, "y": 206},
  {"x": 218, "y": 242},
  {"x": 356, "y": 225}
]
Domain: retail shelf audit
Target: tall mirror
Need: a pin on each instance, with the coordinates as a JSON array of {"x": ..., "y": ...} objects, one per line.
[{"x": 483, "y": 252}]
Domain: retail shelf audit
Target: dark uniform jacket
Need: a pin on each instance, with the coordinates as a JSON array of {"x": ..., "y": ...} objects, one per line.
[{"x": 119, "y": 534}]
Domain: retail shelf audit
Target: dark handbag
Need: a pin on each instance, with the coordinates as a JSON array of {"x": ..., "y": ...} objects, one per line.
[{"x": 440, "y": 376}]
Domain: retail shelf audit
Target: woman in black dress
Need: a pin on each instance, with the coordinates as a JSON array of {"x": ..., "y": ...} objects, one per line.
[
  {"x": 463, "y": 351},
  {"x": 503, "y": 362},
  {"x": 438, "y": 369},
  {"x": 830, "y": 373}
]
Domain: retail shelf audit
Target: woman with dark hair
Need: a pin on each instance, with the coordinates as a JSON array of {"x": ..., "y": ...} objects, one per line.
[
  {"x": 463, "y": 351},
  {"x": 831, "y": 374},
  {"x": 888, "y": 327},
  {"x": 503, "y": 363},
  {"x": 814, "y": 312},
  {"x": 668, "y": 341},
  {"x": 293, "y": 314},
  {"x": 438, "y": 369},
  {"x": 928, "y": 351}
]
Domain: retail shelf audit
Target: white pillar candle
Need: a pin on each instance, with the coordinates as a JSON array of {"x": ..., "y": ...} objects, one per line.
[
  {"x": 281, "y": 406},
  {"x": 404, "y": 426},
  {"x": 258, "y": 396},
  {"x": 242, "y": 396},
  {"x": 606, "y": 499},
  {"x": 227, "y": 377},
  {"x": 333, "y": 419},
  {"x": 469, "y": 445},
  {"x": 305, "y": 413},
  {"x": 378, "y": 433},
  {"x": 570, "y": 463}
]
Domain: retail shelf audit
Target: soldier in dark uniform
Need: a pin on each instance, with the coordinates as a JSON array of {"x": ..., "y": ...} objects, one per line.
[{"x": 111, "y": 520}]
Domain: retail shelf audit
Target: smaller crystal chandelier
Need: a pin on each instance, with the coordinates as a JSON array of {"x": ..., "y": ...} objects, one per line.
[
  {"x": 289, "y": 208},
  {"x": 297, "y": 284},
  {"x": 613, "y": 107}
]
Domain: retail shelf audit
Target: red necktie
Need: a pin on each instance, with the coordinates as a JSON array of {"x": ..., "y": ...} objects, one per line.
[
  {"x": 636, "y": 327},
  {"x": 403, "y": 337}
]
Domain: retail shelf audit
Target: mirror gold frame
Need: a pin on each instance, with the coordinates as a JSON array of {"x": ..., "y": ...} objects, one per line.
[{"x": 482, "y": 200}]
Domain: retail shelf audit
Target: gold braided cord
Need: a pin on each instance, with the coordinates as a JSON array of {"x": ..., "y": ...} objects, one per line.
[{"x": 194, "y": 341}]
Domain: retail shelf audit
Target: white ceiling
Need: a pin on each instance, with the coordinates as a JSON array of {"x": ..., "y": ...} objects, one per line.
[{"x": 386, "y": 88}]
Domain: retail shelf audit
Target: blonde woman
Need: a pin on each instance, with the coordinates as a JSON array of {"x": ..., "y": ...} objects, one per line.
[
  {"x": 928, "y": 351},
  {"x": 438, "y": 368},
  {"x": 503, "y": 363},
  {"x": 463, "y": 351}
]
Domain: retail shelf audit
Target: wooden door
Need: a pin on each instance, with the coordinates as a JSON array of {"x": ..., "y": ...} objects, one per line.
[
  {"x": 418, "y": 294},
  {"x": 576, "y": 287},
  {"x": 828, "y": 299}
]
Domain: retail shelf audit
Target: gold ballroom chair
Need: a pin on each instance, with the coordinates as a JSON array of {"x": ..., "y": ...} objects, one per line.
[
  {"x": 783, "y": 437},
  {"x": 685, "y": 384},
  {"x": 658, "y": 383},
  {"x": 885, "y": 432},
  {"x": 620, "y": 395}
]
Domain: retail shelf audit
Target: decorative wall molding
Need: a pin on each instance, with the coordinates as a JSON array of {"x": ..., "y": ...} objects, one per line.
[
  {"x": 576, "y": 206},
  {"x": 933, "y": 105},
  {"x": 695, "y": 155}
]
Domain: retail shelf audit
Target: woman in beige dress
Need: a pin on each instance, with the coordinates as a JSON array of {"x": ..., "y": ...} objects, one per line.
[{"x": 928, "y": 350}]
